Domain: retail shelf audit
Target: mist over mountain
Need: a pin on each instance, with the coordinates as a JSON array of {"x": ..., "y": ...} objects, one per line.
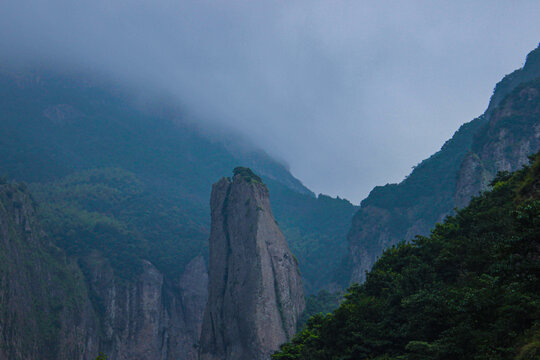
[
  {"x": 176, "y": 180},
  {"x": 120, "y": 189},
  {"x": 318, "y": 84}
]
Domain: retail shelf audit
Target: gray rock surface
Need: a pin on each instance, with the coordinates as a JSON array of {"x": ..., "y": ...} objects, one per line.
[
  {"x": 52, "y": 309},
  {"x": 151, "y": 317},
  {"x": 512, "y": 134},
  {"x": 255, "y": 289}
]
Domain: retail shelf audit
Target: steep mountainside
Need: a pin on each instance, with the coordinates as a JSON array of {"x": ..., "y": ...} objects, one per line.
[
  {"x": 41, "y": 293},
  {"x": 468, "y": 291},
  {"x": 255, "y": 289},
  {"x": 504, "y": 144},
  {"x": 500, "y": 139},
  {"x": 75, "y": 136},
  {"x": 57, "y": 308}
]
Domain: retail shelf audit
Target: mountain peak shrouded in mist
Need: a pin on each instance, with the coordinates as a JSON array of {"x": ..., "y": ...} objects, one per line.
[
  {"x": 118, "y": 117},
  {"x": 318, "y": 84}
]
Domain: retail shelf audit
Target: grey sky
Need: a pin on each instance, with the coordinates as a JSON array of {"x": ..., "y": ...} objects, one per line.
[{"x": 351, "y": 94}]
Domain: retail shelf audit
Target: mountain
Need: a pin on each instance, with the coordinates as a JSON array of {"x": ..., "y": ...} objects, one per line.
[
  {"x": 468, "y": 291},
  {"x": 121, "y": 190},
  {"x": 91, "y": 151},
  {"x": 57, "y": 307},
  {"x": 41, "y": 292},
  {"x": 255, "y": 290},
  {"x": 500, "y": 139}
]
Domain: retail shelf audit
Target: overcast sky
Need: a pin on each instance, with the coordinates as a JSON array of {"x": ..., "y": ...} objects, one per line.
[{"x": 351, "y": 94}]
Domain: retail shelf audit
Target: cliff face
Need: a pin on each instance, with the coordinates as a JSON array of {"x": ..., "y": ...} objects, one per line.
[
  {"x": 504, "y": 144},
  {"x": 41, "y": 294},
  {"x": 397, "y": 212},
  {"x": 501, "y": 139},
  {"x": 54, "y": 308},
  {"x": 255, "y": 289},
  {"x": 150, "y": 317}
]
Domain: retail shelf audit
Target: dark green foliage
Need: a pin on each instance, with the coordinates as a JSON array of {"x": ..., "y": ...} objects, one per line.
[
  {"x": 530, "y": 347},
  {"x": 468, "y": 291},
  {"x": 432, "y": 191},
  {"x": 421, "y": 198},
  {"x": 101, "y": 356},
  {"x": 39, "y": 288},
  {"x": 315, "y": 229},
  {"x": 432, "y": 182},
  {"x": 520, "y": 115},
  {"x": 131, "y": 182},
  {"x": 529, "y": 72},
  {"x": 247, "y": 175},
  {"x": 111, "y": 211},
  {"x": 323, "y": 303},
  {"x": 82, "y": 213}
]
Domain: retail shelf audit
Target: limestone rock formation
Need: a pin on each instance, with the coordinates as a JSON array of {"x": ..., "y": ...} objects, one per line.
[{"x": 255, "y": 291}]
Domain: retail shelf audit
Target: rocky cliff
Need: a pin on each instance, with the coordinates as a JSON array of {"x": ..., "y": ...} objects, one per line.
[
  {"x": 58, "y": 307},
  {"x": 500, "y": 139},
  {"x": 504, "y": 144},
  {"x": 255, "y": 289},
  {"x": 149, "y": 317},
  {"x": 42, "y": 294}
]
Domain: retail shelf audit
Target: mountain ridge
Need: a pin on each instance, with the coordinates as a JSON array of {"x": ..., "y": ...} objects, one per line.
[
  {"x": 397, "y": 212},
  {"x": 60, "y": 126}
]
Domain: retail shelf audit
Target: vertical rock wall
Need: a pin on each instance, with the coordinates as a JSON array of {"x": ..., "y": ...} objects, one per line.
[
  {"x": 51, "y": 309},
  {"x": 255, "y": 289}
]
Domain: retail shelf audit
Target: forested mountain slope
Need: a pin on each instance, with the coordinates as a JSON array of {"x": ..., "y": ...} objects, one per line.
[
  {"x": 55, "y": 306},
  {"x": 121, "y": 199},
  {"x": 41, "y": 292},
  {"x": 468, "y": 291},
  {"x": 130, "y": 177},
  {"x": 500, "y": 139}
]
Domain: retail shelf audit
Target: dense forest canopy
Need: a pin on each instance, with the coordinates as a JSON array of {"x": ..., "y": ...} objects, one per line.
[{"x": 468, "y": 291}]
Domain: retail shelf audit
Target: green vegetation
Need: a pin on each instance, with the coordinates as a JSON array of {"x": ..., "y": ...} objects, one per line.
[
  {"x": 323, "y": 303},
  {"x": 468, "y": 291},
  {"x": 113, "y": 212},
  {"x": 529, "y": 72},
  {"x": 247, "y": 175},
  {"x": 316, "y": 229},
  {"x": 420, "y": 200},
  {"x": 110, "y": 211},
  {"x": 39, "y": 287},
  {"x": 395, "y": 212},
  {"x": 132, "y": 183}
]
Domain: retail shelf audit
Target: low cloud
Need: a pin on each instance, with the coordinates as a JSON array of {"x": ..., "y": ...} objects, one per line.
[{"x": 350, "y": 93}]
